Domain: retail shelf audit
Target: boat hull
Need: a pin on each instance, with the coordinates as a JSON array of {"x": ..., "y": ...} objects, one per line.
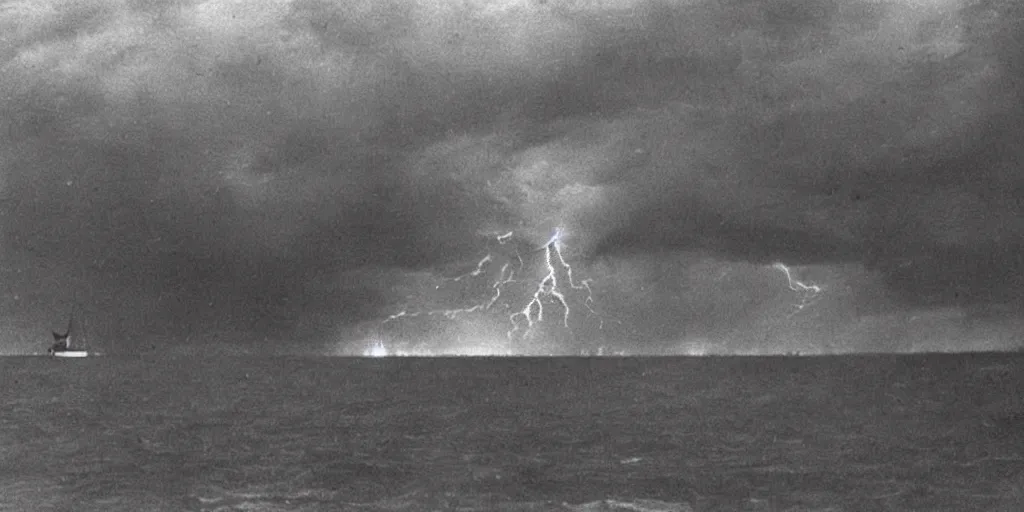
[{"x": 71, "y": 353}]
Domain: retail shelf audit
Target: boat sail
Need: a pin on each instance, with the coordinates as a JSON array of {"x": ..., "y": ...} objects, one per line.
[{"x": 62, "y": 346}]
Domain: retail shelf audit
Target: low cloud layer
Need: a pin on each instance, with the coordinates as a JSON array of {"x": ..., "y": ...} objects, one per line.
[{"x": 293, "y": 172}]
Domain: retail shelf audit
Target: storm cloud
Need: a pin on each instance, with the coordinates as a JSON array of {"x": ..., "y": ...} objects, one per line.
[{"x": 292, "y": 173}]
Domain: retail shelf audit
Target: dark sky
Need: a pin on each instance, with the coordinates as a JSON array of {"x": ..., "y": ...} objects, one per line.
[{"x": 285, "y": 175}]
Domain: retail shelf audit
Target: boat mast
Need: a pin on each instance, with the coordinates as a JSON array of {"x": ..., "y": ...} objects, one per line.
[{"x": 71, "y": 323}]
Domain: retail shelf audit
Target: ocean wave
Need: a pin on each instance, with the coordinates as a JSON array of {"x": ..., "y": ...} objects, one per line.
[{"x": 214, "y": 499}]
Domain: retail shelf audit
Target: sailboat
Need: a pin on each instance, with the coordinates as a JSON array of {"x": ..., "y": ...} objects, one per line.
[{"x": 62, "y": 342}]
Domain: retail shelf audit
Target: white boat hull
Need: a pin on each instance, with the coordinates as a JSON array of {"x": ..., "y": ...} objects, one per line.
[{"x": 71, "y": 353}]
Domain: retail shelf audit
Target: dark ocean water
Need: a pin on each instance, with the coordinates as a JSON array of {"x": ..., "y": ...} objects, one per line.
[{"x": 937, "y": 432}]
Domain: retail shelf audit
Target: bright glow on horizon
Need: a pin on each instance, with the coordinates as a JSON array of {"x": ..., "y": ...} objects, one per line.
[{"x": 377, "y": 349}]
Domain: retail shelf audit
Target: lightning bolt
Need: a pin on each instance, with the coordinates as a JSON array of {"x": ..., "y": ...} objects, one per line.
[
  {"x": 479, "y": 269},
  {"x": 548, "y": 288},
  {"x": 505, "y": 276},
  {"x": 808, "y": 293}
]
